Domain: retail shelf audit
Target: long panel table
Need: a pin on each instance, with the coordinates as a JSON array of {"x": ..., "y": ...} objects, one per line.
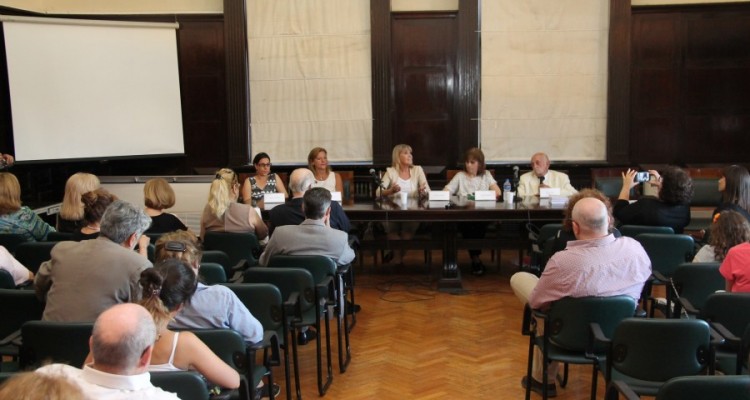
[{"x": 450, "y": 213}]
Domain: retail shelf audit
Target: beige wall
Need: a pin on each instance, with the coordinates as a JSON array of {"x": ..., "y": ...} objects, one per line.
[
  {"x": 118, "y": 6},
  {"x": 671, "y": 2}
]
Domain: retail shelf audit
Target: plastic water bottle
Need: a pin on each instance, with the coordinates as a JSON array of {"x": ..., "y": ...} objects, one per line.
[{"x": 506, "y": 186}]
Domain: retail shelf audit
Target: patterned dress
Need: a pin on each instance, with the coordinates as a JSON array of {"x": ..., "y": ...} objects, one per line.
[{"x": 257, "y": 193}]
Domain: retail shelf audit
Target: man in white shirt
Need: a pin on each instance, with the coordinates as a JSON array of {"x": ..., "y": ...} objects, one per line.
[
  {"x": 121, "y": 345},
  {"x": 542, "y": 177}
]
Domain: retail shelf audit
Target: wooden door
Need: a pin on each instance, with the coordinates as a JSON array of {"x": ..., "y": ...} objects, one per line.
[{"x": 424, "y": 82}]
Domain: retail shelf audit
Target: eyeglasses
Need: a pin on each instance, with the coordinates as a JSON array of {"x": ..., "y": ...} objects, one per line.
[{"x": 264, "y": 165}]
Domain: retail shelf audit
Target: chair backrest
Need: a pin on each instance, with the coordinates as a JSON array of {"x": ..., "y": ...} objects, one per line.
[
  {"x": 33, "y": 254},
  {"x": 188, "y": 385},
  {"x": 658, "y": 350},
  {"x": 635, "y": 230},
  {"x": 697, "y": 281},
  {"x": 153, "y": 236},
  {"x": 16, "y": 308},
  {"x": 69, "y": 346},
  {"x": 264, "y": 302},
  {"x": 570, "y": 318},
  {"x": 11, "y": 240},
  {"x": 667, "y": 251},
  {"x": 218, "y": 257},
  {"x": 6, "y": 280},
  {"x": 288, "y": 281},
  {"x": 730, "y": 309},
  {"x": 228, "y": 345},
  {"x": 548, "y": 231},
  {"x": 320, "y": 267},
  {"x": 706, "y": 387},
  {"x": 59, "y": 236},
  {"x": 238, "y": 246},
  {"x": 212, "y": 273},
  {"x": 705, "y": 192}
]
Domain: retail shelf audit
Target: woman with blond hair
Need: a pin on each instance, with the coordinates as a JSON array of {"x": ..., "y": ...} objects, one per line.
[
  {"x": 70, "y": 218},
  {"x": 224, "y": 214},
  {"x": 159, "y": 196},
  {"x": 317, "y": 161},
  {"x": 15, "y": 217}
]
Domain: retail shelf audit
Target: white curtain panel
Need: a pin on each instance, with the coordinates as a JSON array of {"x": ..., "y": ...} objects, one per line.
[
  {"x": 544, "y": 79},
  {"x": 310, "y": 79}
]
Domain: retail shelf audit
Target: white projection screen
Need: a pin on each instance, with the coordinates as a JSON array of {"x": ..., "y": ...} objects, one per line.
[{"x": 86, "y": 89}]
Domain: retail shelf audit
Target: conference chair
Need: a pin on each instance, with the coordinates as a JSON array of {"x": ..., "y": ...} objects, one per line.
[
  {"x": 264, "y": 302},
  {"x": 70, "y": 345},
  {"x": 238, "y": 246},
  {"x": 330, "y": 292},
  {"x": 666, "y": 252},
  {"x": 694, "y": 282},
  {"x": 218, "y": 257},
  {"x": 635, "y": 230},
  {"x": 647, "y": 352},
  {"x": 212, "y": 273},
  {"x": 188, "y": 385},
  {"x": 298, "y": 290},
  {"x": 564, "y": 336},
  {"x": 11, "y": 240},
  {"x": 33, "y": 254},
  {"x": 59, "y": 236},
  {"x": 6, "y": 280},
  {"x": 691, "y": 388},
  {"x": 541, "y": 238},
  {"x": 728, "y": 314},
  {"x": 16, "y": 308},
  {"x": 229, "y": 345}
]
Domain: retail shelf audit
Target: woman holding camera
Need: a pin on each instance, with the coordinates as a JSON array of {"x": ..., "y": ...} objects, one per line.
[{"x": 671, "y": 207}]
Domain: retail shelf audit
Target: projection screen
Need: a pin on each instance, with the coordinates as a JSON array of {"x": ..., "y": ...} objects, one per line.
[{"x": 86, "y": 89}]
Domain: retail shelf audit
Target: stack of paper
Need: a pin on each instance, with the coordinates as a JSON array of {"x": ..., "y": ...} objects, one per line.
[{"x": 558, "y": 200}]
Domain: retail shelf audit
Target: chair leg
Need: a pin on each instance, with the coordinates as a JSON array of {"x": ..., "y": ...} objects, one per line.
[
  {"x": 295, "y": 361},
  {"x": 564, "y": 379},
  {"x": 528, "y": 367},
  {"x": 323, "y": 386},
  {"x": 594, "y": 382}
]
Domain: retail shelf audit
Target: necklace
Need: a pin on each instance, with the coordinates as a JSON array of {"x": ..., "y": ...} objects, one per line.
[
  {"x": 320, "y": 179},
  {"x": 92, "y": 228}
]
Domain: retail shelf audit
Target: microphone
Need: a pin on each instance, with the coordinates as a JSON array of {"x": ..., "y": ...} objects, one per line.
[
  {"x": 375, "y": 176},
  {"x": 515, "y": 172}
]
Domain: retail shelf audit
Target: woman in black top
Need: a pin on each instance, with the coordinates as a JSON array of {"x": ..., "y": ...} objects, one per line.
[
  {"x": 159, "y": 196},
  {"x": 734, "y": 186},
  {"x": 94, "y": 205},
  {"x": 671, "y": 208}
]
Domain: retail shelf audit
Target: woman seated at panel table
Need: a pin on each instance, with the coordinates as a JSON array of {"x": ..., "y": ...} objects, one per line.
[
  {"x": 70, "y": 218},
  {"x": 16, "y": 218},
  {"x": 402, "y": 176},
  {"x": 317, "y": 161},
  {"x": 159, "y": 196},
  {"x": 224, "y": 214},
  {"x": 474, "y": 177},
  {"x": 263, "y": 182},
  {"x": 671, "y": 208},
  {"x": 94, "y": 205}
]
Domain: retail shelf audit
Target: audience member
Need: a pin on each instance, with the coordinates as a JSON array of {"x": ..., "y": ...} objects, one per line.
[
  {"x": 38, "y": 386},
  {"x": 85, "y": 278},
  {"x": 7, "y": 160},
  {"x": 70, "y": 218},
  {"x": 159, "y": 196},
  {"x": 728, "y": 229},
  {"x": 94, "y": 205},
  {"x": 565, "y": 234},
  {"x": 542, "y": 177},
  {"x": 19, "y": 273},
  {"x": 263, "y": 182},
  {"x": 211, "y": 306},
  {"x": 595, "y": 264},
  {"x": 167, "y": 287},
  {"x": 402, "y": 176},
  {"x": 121, "y": 345},
  {"x": 671, "y": 208},
  {"x": 224, "y": 214},
  {"x": 734, "y": 186},
  {"x": 290, "y": 213},
  {"x": 736, "y": 268},
  {"x": 17, "y": 218},
  {"x": 474, "y": 177},
  {"x": 317, "y": 161}
]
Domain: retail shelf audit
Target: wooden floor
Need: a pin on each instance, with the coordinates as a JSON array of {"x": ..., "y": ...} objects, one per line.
[{"x": 414, "y": 342}]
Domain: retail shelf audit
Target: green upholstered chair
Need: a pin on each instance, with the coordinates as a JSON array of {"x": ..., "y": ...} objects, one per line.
[
  {"x": 694, "y": 282},
  {"x": 238, "y": 246},
  {"x": 17, "y": 307},
  {"x": 188, "y": 385},
  {"x": 691, "y": 388},
  {"x": 59, "y": 236},
  {"x": 11, "y": 240},
  {"x": 728, "y": 314},
  {"x": 218, "y": 257},
  {"x": 212, "y": 273},
  {"x": 33, "y": 254},
  {"x": 666, "y": 252},
  {"x": 70, "y": 346},
  {"x": 229, "y": 345},
  {"x": 635, "y": 230},
  {"x": 6, "y": 280}
]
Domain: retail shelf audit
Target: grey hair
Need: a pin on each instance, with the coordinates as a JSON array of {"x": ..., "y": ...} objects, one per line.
[
  {"x": 316, "y": 202},
  {"x": 304, "y": 182},
  {"x": 122, "y": 219},
  {"x": 124, "y": 353}
]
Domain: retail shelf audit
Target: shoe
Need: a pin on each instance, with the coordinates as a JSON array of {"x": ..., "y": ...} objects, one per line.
[
  {"x": 351, "y": 309},
  {"x": 305, "y": 337},
  {"x": 263, "y": 392},
  {"x": 536, "y": 387},
  {"x": 477, "y": 268}
]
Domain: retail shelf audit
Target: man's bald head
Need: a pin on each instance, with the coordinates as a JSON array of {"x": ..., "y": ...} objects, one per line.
[
  {"x": 120, "y": 337},
  {"x": 591, "y": 218},
  {"x": 300, "y": 181}
]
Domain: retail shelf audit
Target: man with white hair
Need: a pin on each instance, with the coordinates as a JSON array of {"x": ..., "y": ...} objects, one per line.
[
  {"x": 542, "y": 177},
  {"x": 595, "y": 264},
  {"x": 121, "y": 345}
]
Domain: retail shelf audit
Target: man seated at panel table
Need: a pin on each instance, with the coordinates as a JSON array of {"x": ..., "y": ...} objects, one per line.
[
  {"x": 542, "y": 177},
  {"x": 595, "y": 264},
  {"x": 290, "y": 213}
]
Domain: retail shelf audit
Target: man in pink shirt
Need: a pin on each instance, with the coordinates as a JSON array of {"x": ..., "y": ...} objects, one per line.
[
  {"x": 736, "y": 268},
  {"x": 595, "y": 264}
]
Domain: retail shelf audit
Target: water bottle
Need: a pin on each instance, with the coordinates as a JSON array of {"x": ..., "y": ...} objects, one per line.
[{"x": 506, "y": 186}]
